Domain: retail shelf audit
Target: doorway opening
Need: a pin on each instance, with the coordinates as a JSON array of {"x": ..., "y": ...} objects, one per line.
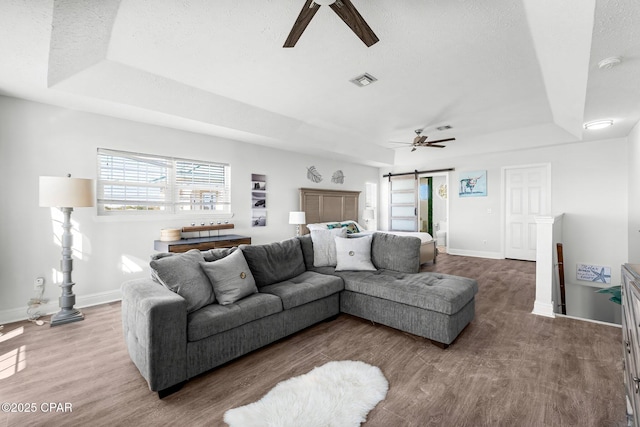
[{"x": 420, "y": 203}]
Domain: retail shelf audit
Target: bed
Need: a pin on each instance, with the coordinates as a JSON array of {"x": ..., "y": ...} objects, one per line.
[{"x": 323, "y": 207}]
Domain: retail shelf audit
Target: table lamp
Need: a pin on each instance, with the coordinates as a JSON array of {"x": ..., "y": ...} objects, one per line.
[{"x": 297, "y": 218}]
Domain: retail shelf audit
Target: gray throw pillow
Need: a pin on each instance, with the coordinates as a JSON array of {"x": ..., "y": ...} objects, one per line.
[
  {"x": 231, "y": 278},
  {"x": 324, "y": 246},
  {"x": 354, "y": 254},
  {"x": 182, "y": 274},
  {"x": 218, "y": 253}
]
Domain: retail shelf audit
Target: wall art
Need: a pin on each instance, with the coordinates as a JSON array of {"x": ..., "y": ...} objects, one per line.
[
  {"x": 473, "y": 184},
  {"x": 337, "y": 177},
  {"x": 593, "y": 273},
  {"x": 258, "y": 200},
  {"x": 313, "y": 175}
]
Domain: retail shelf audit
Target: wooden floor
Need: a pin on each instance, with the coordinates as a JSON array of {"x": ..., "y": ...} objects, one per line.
[{"x": 507, "y": 368}]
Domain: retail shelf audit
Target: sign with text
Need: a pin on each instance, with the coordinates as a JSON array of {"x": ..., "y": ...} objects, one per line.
[{"x": 593, "y": 273}]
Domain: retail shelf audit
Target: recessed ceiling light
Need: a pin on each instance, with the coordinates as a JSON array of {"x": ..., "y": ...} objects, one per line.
[
  {"x": 598, "y": 124},
  {"x": 364, "y": 80}
]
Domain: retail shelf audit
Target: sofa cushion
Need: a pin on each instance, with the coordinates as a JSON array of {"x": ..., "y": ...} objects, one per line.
[
  {"x": 324, "y": 246},
  {"x": 216, "y": 318},
  {"x": 231, "y": 278},
  {"x": 306, "y": 244},
  {"x": 430, "y": 291},
  {"x": 354, "y": 254},
  {"x": 398, "y": 253},
  {"x": 218, "y": 253},
  {"x": 182, "y": 274},
  {"x": 308, "y": 286},
  {"x": 274, "y": 262}
]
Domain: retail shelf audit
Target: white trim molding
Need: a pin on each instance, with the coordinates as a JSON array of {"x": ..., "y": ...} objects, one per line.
[
  {"x": 549, "y": 232},
  {"x": 476, "y": 254},
  {"x": 51, "y": 307}
]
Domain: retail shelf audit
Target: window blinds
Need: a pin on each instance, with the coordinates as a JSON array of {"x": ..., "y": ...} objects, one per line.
[{"x": 139, "y": 183}]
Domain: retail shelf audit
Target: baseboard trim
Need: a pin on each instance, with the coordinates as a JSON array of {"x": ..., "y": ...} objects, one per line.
[
  {"x": 599, "y": 322},
  {"x": 17, "y": 314},
  {"x": 543, "y": 309},
  {"x": 476, "y": 254}
]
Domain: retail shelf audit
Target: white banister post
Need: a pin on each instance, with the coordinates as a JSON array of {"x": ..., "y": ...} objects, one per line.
[{"x": 545, "y": 268}]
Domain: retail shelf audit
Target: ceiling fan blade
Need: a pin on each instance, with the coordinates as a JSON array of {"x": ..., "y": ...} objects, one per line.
[
  {"x": 433, "y": 145},
  {"x": 306, "y": 14},
  {"x": 440, "y": 140},
  {"x": 350, "y": 15}
]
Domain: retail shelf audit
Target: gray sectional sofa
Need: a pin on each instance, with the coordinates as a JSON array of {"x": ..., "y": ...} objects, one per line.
[{"x": 175, "y": 328}]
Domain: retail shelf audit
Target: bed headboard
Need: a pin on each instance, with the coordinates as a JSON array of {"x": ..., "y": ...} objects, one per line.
[{"x": 328, "y": 205}]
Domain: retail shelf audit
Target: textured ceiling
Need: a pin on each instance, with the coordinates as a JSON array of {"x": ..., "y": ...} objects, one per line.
[{"x": 505, "y": 74}]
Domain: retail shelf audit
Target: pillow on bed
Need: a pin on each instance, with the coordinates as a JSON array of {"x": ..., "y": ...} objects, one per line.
[
  {"x": 354, "y": 254},
  {"x": 350, "y": 225},
  {"x": 324, "y": 246},
  {"x": 321, "y": 225}
]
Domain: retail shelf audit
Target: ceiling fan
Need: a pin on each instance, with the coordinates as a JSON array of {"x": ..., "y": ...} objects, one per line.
[
  {"x": 344, "y": 9},
  {"x": 421, "y": 141}
]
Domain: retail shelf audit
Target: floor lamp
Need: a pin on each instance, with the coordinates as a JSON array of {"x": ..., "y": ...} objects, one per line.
[
  {"x": 66, "y": 194},
  {"x": 297, "y": 218}
]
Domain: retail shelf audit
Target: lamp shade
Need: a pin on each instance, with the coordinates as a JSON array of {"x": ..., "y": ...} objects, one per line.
[
  {"x": 66, "y": 192},
  {"x": 297, "y": 218}
]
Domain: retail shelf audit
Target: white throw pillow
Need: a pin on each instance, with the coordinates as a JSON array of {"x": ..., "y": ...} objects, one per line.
[
  {"x": 324, "y": 246},
  {"x": 354, "y": 254}
]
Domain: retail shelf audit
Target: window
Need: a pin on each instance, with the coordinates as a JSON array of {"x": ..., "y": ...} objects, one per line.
[{"x": 142, "y": 183}]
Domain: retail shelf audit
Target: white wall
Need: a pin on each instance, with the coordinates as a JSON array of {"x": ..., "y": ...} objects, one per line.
[
  {"x": 589, "y": 184},
  {"x": 37, "y": 139},
  {"x": 634, "y": 195}
]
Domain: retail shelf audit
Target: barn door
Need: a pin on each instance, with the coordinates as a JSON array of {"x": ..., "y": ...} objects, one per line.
[
  {"x": 403, "y": 203},
  {"x": 527, "y": 196}
]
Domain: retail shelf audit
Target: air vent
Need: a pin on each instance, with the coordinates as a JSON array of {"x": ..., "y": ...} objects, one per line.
[
  {"x": 364, "y": 80},
  {"x": 445, "y": 127}
]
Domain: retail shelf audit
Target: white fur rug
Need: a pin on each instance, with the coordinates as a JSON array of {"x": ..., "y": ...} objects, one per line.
[{"x": 337, "y": 394}]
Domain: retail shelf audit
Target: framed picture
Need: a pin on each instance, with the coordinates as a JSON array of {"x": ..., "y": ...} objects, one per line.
[
  {"x": 258, "y": 200},
  {"x": 473, "y": 184}
]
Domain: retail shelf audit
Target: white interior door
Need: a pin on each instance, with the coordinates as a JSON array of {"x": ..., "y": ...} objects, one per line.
[{"x": 527, "y": 196}]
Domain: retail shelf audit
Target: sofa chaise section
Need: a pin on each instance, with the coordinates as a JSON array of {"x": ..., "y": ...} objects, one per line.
[{"x": 432, "y": 305}]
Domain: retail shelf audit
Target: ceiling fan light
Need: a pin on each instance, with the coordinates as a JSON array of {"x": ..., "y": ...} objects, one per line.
[
  {"x": 324, "y": 2},
  {"x": 598, "y": 124}
]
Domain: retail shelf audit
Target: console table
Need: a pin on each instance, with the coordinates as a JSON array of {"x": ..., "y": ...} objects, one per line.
[{"x": 201, "y": 243}]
